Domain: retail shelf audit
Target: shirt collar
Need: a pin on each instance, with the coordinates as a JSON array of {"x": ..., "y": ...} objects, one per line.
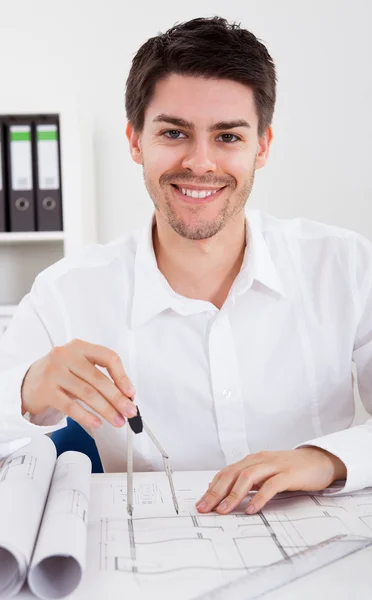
[
  {"x": 153, "y": 294},
  {"x": 258, "y": 264}
]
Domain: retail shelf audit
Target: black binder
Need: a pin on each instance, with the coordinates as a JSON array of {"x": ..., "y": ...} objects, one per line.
[
  {"x": 20, "y": 180},
  {"x": 47, "y": 173},
  {"x": 3, "y": 205}
]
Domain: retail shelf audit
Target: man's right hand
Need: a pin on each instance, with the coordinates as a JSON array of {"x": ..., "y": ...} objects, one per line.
[{"x": 68, "y": 373}]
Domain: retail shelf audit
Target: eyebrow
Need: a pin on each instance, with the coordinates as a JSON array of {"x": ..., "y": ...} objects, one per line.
[{"x": 178, "y": 122}]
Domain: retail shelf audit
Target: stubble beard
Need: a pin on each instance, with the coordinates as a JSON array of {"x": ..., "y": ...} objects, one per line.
[{"x": 201, "y": 229}]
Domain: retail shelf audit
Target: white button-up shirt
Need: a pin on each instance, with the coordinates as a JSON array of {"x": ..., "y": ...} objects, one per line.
[{"x": 270, "y": 370}]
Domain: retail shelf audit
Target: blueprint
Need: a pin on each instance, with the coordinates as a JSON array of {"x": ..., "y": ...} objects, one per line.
[
  {"x": 160, "y": 554},
  {"x": 44, "y": 503}
]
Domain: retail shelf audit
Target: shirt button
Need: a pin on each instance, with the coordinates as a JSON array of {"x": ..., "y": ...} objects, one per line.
[{"x": 226, "y": 393}]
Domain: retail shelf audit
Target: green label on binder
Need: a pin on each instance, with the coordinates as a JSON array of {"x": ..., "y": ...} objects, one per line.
[
  {"x": 20, "y": 136},
  {"x": 48, "y": 157},
  {"x": 21, "y": 157},
  {"x": 47, "y": 135}
]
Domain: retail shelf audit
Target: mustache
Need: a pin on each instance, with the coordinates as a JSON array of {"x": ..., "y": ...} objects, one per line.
[{"x": 179, "y": 179}]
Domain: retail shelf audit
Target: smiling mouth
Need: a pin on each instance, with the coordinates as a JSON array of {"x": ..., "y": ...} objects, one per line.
[
  {"x": 197, "y": 193},
  {"x": 197, "y": 197}
]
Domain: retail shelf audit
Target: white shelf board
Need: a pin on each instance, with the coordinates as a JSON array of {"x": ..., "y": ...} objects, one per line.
[
  {"x": 7, "y": 310},
  {"x": 31, "y": 236}
]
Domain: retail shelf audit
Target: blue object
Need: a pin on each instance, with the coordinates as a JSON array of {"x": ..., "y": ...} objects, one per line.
[{"x": 74, "y": 437}]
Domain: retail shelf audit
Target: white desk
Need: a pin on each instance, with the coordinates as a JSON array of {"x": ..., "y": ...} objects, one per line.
[{"x": 352, "y": 580}]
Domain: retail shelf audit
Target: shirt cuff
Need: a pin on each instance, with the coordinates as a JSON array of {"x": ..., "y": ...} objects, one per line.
[
  {"x": 12, "y": 424},
  {"x": 354, "y": 448}
]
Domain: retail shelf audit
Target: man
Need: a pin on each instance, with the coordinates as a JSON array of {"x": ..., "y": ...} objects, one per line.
[{"x": 237, "y": 332}]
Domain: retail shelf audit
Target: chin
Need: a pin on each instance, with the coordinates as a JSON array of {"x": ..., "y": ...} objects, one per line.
[{"x": 201, "y": 230}]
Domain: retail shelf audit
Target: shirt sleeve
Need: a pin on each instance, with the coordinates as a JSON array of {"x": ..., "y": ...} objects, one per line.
[
  {"x": 36, "y": 327},
  {"x": 354, "y": 445}
]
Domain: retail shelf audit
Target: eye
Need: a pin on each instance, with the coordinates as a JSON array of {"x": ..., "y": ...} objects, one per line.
[
  {"x": 173, "y": 133},
  {"x": 227, "y": 137}
]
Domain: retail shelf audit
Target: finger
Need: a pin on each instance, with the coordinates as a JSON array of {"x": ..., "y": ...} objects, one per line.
[
  {"x": 72, "y": 409},
  {"x": 271, "y": 487},
  {"x": 91, "y": 375},
  {"x": 104, "y": 357},
  {"x": 81, "y": 390},
  {"x": 244, "y": 484},
  {"x": 218, "y": 490},
  {"x": 210, "y": 485},
  {"x": 234, "y": 470}
]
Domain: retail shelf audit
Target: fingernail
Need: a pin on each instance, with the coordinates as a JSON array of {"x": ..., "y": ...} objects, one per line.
[
  {"x": 119, "y": 420},
  {"x": 97, "y": 423},
  {"x": 223, "y": 506},
  {"x": 131, "y": 411},
  {"x": 250, "y": 509},
  {"x": 202, "y": 504},
  {"x": 131, "y": 390}
]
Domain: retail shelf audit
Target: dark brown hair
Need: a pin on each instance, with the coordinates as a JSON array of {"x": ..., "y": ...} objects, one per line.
[{"x": 203, "y": 47}]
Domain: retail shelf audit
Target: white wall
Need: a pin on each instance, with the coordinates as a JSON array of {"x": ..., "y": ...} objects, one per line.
[{"x": 320, "y": 163}]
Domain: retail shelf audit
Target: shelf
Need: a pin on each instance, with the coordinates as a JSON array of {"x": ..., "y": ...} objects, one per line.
[
  {"x": 31, "y": 236},
  {"x": 7, "y": 310},
  {"x": 23, "y": 255}
]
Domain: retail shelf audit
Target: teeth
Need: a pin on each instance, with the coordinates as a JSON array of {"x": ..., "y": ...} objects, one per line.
[{"x": 198, "y": 194}]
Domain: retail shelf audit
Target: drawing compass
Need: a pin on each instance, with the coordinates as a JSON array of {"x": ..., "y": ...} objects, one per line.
[{"x": 137, "y": 425}]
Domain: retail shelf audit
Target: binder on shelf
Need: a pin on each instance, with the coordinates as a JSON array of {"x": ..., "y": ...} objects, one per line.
[
  {"x": 3, "y": 203},
  {"x": 21, "y": 195},
  {"x": 47, "y": 174}
]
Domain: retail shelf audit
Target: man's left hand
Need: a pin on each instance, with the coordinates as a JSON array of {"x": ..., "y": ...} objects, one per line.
[{"x": 307, "y": 469}]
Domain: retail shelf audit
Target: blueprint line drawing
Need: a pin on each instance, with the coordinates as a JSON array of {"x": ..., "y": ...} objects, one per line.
[
  {"x": 69, "y": 502},
  {"x": 257, "y": 585},
  {"x": 191, "y": 553},
  {"x": 27, "y": 463},
  {"x": 240, "y": 543}
]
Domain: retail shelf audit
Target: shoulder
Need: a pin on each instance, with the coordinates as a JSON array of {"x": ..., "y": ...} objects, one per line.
[
  {"x": 94, "y": 256},
  {"x": 317, "y": 252},
  {"x": 300, "y": 233},
  {"x": 299, "y": 228}
]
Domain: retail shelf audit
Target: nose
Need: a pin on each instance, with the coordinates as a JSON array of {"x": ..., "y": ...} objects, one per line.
[{"x": 199, "y": 158}]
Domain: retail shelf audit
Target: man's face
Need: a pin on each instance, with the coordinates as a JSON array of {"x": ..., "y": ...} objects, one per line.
[{"x": 199, "y": 149}]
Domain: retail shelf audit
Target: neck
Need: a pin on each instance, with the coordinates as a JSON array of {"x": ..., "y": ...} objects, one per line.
[{"x": 200, "y": 269}]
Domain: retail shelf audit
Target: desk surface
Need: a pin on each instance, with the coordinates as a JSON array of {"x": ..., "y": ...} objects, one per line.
[{"x": 353, "y": 579}]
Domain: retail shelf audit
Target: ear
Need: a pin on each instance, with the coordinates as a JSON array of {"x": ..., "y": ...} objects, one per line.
[
  {"x": 264, "y": 143},
  {"x": 134, "y": 144}
]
